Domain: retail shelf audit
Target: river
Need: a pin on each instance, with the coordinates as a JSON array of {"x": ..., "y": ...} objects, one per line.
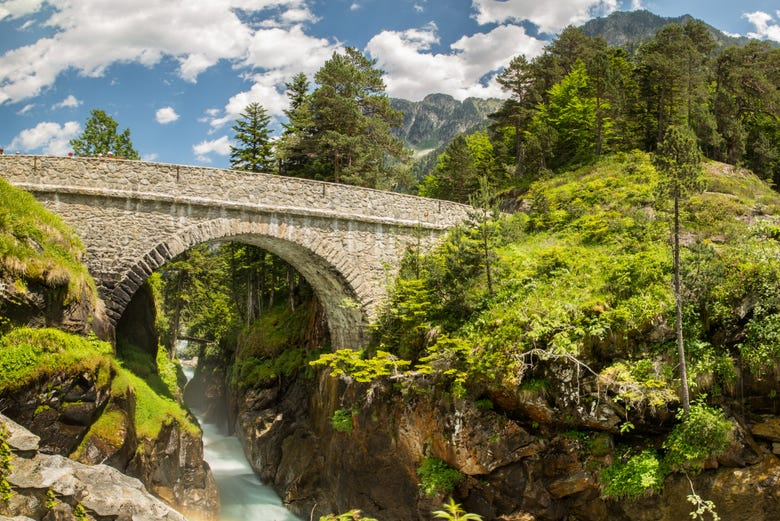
[{"x": 243, "y": 496}]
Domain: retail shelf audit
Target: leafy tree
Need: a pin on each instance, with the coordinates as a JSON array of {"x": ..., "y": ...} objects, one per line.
[
  {"x": 571, "y": 113},
  {"x": 517, "y": 111},
  {"x": 484, "y": 217},
  {"x": 100, "y": 137},
  {"x": 746, "y": 103},
  {"x": 560, "y": 57},
  {"x": 612, "y": 85},
  {"x": 678, "y": 161},
  {"x": 352, "y": 118},
  {"x": 254, "y": 150},
  {"x": 674, "y": 70}
]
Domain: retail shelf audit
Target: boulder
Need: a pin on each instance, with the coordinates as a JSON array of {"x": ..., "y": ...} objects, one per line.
[{"x": 102, "y": 491}]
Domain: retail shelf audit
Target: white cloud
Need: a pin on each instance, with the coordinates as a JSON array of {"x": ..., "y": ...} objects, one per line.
[
  {"x": 17, "y": 8},
  {"x": 460, "y": 73},
  {"x": 766, "y": 25},
  {"x": 166, "y": 115},
  {"x": 636, "y": 5},
  {"x": 70, "y": 102},
  {"x": 47, "y": 137},
  {"x": 355, "y": 6},
  {"x": 550, "y": 17},
  {"x": 280, "y": 54},
  {"x": 24, "y": 110},
  {"x": 220, "y": 146},
  {"x": 90, "y": 35}
]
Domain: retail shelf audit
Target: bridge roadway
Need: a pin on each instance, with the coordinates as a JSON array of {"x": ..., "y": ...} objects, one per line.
[{"x": 135, "y": 216}]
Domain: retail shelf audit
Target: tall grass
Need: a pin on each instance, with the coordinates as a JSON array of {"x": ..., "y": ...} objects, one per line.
[{"x": 37, "y": 245}]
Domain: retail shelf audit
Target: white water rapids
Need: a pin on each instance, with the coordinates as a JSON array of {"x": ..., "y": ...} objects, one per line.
[{"x": 243, "y": 496}]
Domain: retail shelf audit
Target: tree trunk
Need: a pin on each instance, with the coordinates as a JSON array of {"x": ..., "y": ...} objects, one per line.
[
  {"x": 176, "y": 314},
  {"x": 599, "y": 127},
  {"x": 291, "y": 286},
  {"x": 684, "y": 394},
  {"x": 250, "y": 293},
  {"x": 486, "y": 247}
]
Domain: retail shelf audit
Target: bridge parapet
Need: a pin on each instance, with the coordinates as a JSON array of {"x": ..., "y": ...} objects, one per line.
[{"x": 228, "y": 188}]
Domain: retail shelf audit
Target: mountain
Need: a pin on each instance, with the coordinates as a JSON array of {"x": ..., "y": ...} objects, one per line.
[
  {"x": 437, "y": 119},
  {"x": 429, "y": 125},
  {"x": 629, "y": 29}
]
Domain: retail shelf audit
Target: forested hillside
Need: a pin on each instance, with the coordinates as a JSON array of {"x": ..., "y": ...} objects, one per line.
[{"x": 582, "y": 99}]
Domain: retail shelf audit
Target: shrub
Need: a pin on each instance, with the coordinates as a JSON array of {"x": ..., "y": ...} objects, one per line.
[
  {"x": 640, "y": 474},
  {"x": 436, "y": 477},
  {"x": 703, "y": 434},
  {"x": 342, "y": 420}
]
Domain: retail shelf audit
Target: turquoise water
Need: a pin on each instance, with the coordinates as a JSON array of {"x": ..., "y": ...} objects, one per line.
[{"x": 243, "y": 496}]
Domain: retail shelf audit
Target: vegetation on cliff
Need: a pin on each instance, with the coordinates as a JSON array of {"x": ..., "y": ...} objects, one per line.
[
  {"x": 582, "y": 286},
  {"x": 36, "y": 247},
  {"x": 73, "y": 390}
]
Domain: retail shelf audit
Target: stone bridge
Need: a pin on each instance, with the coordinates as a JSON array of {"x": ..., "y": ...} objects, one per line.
[{"x": 135, "y": 216}]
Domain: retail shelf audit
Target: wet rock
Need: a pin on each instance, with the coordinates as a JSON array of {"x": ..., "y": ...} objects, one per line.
[{"x": 769, "y": 428}]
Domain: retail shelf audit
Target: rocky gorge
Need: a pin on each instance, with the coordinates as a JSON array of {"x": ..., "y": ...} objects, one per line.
[{"x": 530, "y": 465}]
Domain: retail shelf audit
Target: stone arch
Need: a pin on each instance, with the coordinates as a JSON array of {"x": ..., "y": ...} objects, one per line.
[{"x": 348, "y": 299}]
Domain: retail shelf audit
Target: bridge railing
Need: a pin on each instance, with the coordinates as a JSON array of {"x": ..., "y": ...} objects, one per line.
[{"x": 211, "y": 186}]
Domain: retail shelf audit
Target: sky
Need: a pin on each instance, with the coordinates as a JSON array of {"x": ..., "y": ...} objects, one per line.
[{"x": 178, "y": 73}]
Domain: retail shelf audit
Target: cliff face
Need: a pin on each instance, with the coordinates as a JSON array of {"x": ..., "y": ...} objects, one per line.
[
  {"x": 512, "y": 469},
  {"x": 38, "y": 305},
  {"x": 90, "y": 412}
]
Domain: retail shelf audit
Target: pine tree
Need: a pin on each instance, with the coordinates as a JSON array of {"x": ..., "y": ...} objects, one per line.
[
  {"x": 254, "y": 150},
  {"x": 100, "y": 138},
  {"x": 353, "y": 120},
  {"x": 678, "y": 161},
  {"x": 295, "y": 148}
]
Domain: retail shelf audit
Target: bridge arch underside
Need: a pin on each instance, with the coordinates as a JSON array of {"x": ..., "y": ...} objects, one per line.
[{"x": 348, "y": 263}]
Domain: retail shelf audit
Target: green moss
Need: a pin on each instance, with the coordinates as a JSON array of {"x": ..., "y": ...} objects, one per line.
[
  {"x": 156, "y": 401},
  {"x": 109, "y": 427},
  {"x": 28, "y": 354},
  {"x": 5, "y": 464}
]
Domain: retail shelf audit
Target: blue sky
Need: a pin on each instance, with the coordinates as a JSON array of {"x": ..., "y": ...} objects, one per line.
[{"x": 178, "y": 73}]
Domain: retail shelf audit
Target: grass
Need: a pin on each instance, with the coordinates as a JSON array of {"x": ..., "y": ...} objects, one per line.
[
  {"x": 37, "y": 245},
  {"x": 157, "y": 394},
  {"x": 28, "y": 355},
  {"x": 586, "y": 271}
]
